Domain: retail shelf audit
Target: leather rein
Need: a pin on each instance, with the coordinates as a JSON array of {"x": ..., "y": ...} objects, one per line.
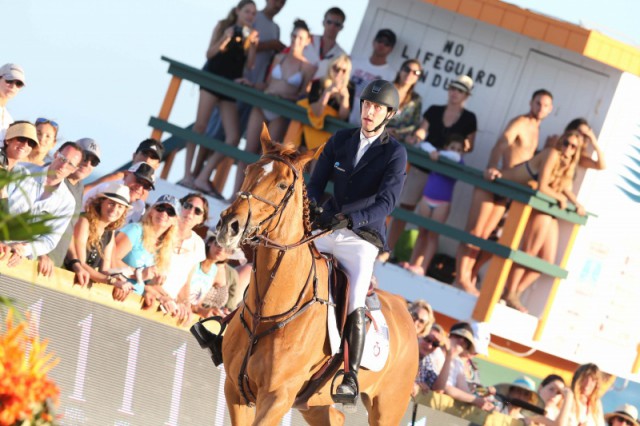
[{"x": 257, "y": 239}]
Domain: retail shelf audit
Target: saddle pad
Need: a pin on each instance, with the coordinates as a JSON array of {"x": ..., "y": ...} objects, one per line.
[{"x": 376, "y": 343}]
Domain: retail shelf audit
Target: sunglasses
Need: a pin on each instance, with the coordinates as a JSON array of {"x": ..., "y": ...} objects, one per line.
[
  {"x": 384, "y": 41},
  {"x": 28, "y": 141},
  {"x": 433, "y": 342},
  {"x": 17, "y": 83},
  {"x": 417, "y": 73},
  {"x": 420, "y": 320},
  {"x": 92, "y": 159},
  {"x": 567, "y": 144},
  {"x": 188, "y": 206},
  {"x": 338, "y": 70},
  {"x": 47, "y": 121},
  {"x": 626, "y": 422},
  {"x": 164, "y": 208},
  {"x": 337, "y": 24},
  {"x": 65, "y": 161},
  {"x": 143, "y": 183}
]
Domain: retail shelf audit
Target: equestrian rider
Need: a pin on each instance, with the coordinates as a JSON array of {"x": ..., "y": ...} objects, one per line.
[{"x": 367, "y": 167}]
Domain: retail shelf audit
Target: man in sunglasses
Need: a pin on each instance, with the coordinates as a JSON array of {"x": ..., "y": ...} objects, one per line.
[
  {"x": 366, "y": 70},
  {"x": 11, "y": 81},
  {"x": 150, "y": 151},
  {"x": 324, "y": 48},
  {"x": 90, "y": 160},
  {"x": 44, "y": 192},
  {"x": 140, "y": 178}
]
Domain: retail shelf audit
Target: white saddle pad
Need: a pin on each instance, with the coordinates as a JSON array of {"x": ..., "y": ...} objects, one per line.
[{"x": 376, "y": 344}]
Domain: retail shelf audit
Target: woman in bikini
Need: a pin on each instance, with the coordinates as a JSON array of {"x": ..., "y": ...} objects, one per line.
[
  {"x": 553, "y": 170},
  {"x": 289, "y": 79},
  {"x": 541, "y": 236},
  {"x": 232, "y": 48}
]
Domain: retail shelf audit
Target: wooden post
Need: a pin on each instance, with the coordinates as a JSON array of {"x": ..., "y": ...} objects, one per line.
[
  {"x": 542, "y": 321},
  {"x": 499, "y": 268},
  {"x": 636, "y": 364},
  {"x": 165, "y": 111}
]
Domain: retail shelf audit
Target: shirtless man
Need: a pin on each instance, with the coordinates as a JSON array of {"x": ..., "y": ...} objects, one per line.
[{"x": 517, "y": 144}]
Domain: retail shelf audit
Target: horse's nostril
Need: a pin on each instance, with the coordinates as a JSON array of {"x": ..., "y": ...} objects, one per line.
[{"x": 235, "y": 227}]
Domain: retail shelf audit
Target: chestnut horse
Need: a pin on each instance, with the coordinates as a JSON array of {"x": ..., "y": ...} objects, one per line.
[{"x": 278, "y": 339}]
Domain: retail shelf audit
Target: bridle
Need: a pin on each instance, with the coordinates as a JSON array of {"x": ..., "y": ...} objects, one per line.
[{"x": 256, "y": 239}]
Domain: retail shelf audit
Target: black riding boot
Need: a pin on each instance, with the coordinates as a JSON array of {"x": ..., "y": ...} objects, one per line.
[{"x": 347, "y": 392}]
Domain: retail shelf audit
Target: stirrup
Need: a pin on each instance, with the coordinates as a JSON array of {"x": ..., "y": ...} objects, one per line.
[
  {"x": 348, "y": 401},
  {"x": 208, "y": 340}
]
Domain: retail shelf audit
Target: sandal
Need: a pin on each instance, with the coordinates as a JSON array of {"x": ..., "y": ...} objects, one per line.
[
  {"x": 187, "y": 183},
  {"x": 513, "y": 301},
  {"x": 210, "y": 191}
]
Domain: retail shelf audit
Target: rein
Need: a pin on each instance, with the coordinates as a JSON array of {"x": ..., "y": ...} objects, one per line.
[{"x": 282, "y": 319}]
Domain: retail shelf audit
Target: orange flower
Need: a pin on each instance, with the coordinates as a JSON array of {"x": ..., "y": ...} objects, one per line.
[{"x": 24, "y": 385}]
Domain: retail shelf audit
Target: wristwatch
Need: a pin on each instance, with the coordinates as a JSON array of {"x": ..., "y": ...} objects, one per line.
[{"x": 111, "y": 280}]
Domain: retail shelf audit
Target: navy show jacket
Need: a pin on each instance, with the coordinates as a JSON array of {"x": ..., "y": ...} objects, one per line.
[{"x": 367, "y": 192}]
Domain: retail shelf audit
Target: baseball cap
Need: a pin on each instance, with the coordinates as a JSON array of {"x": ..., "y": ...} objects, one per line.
[
  {"x": 152, "y": 145},
  {"x": 116, "y": 192},
  {"x": 170, "y": 200},
  {"x": 12, "y": 72},
  {"x": 482, "y": 337},
  {"x": 144, "y": 171},
  {"x": 91, "y": 146},
  {"x": 462, "y": 82},
  {"x": 388, "y": 34},
  {"x": 22, "y": 129}
]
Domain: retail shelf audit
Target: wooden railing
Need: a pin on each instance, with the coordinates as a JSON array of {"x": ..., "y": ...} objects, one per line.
[{"x": 506, "y": 250}]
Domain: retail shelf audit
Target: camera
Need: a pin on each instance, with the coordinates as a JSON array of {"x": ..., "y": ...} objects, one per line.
[{"x": 241, "y": 32}]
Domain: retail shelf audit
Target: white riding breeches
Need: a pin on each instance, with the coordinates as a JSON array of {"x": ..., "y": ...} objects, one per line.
[{"x": 357, "y": 257}]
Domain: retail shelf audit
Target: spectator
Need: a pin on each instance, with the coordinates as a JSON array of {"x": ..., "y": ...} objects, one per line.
[
  {"x": 20, "y": 140},
  {"x": 90, "y": 160},
  {"x": 553, "y": 170},
  {"x": 366, "y": 70},
  {"x": 11, "y": 81},
  {"x": 541, "y": 235},
  {"x": 435, "y": 204},
  {"x": 189, "y": 250},
  {"x": 332, "y": 96},
  {"x": 94, "y": 235},
  {"x": 150, "y": 151},
  {"x": 268, "y": 46},
  {"x": 140, "y": 179},
  {"x": 423, "y": 318},
  {"x": 404, "y": 123},
  {"x": 587, "y": 407},
  {"x": 324, "y": 48},
  {"x": 625, "y": 415},
  {"x": 438, "y": 122},
  {"x": 289, "y": 79},
  {"x": 558, "y": 400},
  {"x": 209, "y": 290},
  {"x": 459, "y": 377},
  {"x": 233, "y": 46},
  {"x": 147, "y": 246},
  {"x": 45, "y": 192},
  {"x": 517, "y": 145},
  {"x": 523, "y": 389},
  {"x": 432, "y": 359},
  {"x": 47, "y": 137}
]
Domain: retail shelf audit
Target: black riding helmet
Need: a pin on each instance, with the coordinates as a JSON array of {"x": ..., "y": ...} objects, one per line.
[{"x": 384, "y": 93}]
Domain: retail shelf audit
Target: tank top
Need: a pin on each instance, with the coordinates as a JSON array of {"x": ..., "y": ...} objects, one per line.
[
  {"x": 93, "y": 255},
  {"x": 229, "y": 63}
]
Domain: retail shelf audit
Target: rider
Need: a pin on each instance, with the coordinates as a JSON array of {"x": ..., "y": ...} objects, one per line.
[{"x": 367, "y": 167}]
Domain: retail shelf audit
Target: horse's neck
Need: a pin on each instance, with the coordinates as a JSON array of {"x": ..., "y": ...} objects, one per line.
[{"x": 279, "y": 278}]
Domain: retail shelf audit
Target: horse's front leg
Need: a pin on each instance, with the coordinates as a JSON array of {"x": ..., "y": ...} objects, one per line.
[
  {"x": 271, "y": 406},
  {"x": 240, "y": 413}
]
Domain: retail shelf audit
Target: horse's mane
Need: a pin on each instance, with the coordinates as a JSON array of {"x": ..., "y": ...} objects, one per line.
[{"x": 290, "y": 152}]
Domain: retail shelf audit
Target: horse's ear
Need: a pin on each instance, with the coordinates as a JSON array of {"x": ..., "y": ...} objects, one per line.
[
  {"x": 307, "y": 156},
  {"x": 265, "y": 139}
]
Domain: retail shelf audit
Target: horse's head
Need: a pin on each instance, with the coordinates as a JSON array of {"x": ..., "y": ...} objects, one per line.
[{"x": 271, "y": 197}]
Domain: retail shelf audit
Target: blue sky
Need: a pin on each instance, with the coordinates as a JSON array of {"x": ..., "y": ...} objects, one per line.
[{"x": 95, "y": 68}]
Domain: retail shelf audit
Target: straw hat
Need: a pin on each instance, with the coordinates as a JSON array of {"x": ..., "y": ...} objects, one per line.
[{"x": 625, "y": 411}]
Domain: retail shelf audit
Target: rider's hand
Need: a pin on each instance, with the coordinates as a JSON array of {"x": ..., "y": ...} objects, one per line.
[{"x": 339, "y": 221}]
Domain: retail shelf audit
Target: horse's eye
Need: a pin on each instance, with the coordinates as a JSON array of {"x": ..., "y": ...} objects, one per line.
[{"x": 283, "y": 185}]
